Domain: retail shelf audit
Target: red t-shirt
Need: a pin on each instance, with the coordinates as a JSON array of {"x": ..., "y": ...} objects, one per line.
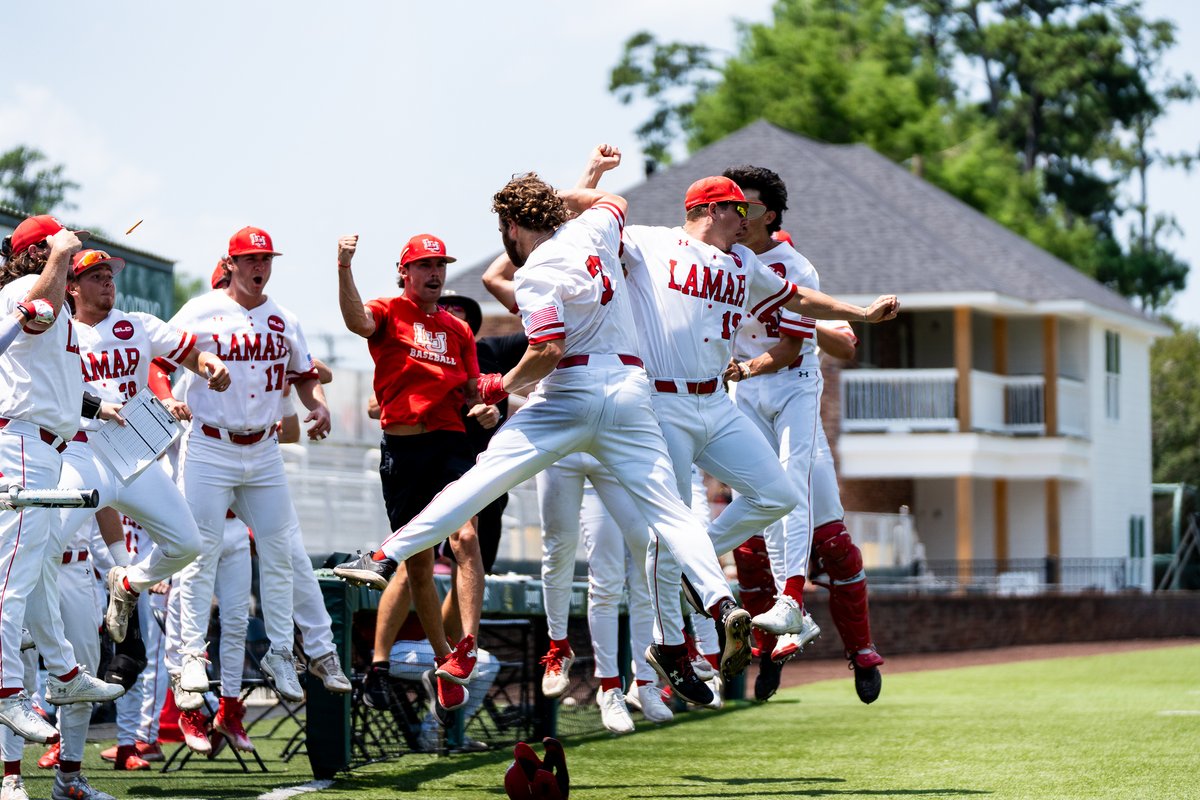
[{"x": 422, "y": 364}]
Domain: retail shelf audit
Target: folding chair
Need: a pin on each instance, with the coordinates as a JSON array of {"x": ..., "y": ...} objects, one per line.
[{"x": 187, "y": 752}]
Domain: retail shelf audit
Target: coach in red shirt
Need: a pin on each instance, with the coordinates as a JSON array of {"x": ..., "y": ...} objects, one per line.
[{"x": 425, "y": 373}]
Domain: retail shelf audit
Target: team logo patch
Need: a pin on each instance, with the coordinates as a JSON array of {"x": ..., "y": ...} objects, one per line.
[
  {"x": 778, "y": 269},
  {"x": 258, "y": 240},
  {"x": 275, "y": 323},
  {"x": 432, "y": 245},
  {"x": 435, "y": 343},
  {"x": 123, "y": 329}
]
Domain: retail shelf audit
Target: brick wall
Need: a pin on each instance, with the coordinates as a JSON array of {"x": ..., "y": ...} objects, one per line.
[{"x": 941, "y": 624}]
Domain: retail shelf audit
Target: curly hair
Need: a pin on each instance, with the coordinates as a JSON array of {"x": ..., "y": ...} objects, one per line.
[
  {"x": 531, "y": 203},
  {"x": 770, "y": 187},
  {"x": 18, "y": 265}
]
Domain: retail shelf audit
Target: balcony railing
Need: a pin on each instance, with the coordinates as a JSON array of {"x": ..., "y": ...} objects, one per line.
[{"x": 925, "y": 400}]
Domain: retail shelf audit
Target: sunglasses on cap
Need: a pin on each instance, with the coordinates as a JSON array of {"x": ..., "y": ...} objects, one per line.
[
  {"x": 742, "y": 209},
  {"x": 90, "y": 259}
]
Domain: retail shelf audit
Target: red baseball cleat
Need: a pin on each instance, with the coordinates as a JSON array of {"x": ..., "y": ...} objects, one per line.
[
  {"x": 194, "y": 728},
  {"x": 49, "y": 759},
  {"x": 460, "y": 664},
  {"x": 128, "y": 759}
]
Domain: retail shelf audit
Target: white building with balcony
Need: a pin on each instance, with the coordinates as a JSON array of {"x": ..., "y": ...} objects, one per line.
[{"x": 1009, "y": 404}]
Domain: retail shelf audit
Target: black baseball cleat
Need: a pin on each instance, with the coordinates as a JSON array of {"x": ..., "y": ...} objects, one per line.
[
  {"x": 767, "y": 682},
  {"x": 366, "y": 571},
  {"x": 733, "y": 637},
  {"x": 376, "y": 693},
  {"x": 676, "y": 669},
  {"x": 867, "y": 680}
]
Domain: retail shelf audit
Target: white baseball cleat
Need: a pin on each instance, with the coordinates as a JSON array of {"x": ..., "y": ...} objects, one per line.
[
  {"x": 185, "y": 700},
  {"x": 76, "y": 788},
  {"x": 280, "y": 666},
  {"x": 792, "y": 644},
  {"x": 121, "y": 603},
  {"x": 704, "y": 670},
  {"x": 717, "y": 684},
  {"x": 786, "y": 616},
  {"x": 83, "y": 688},
  {"x": 329, "y": 670},
  {"x": 13, "y": 788},
  {"x": 613, "y": 712},
  {"x": 193, "y": 674},
  {"x": 17, "y": 713},
  {"x": 647, "y": 698},
  {"x": 558, "y": 667}
]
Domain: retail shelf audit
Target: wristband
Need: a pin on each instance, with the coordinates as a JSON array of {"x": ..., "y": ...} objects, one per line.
[{"x": 743, "y": 370}]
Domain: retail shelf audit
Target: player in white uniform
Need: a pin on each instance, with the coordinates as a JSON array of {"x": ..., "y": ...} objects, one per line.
[
  {"x": 41, "y": 394},
  {"x": 116, "y": 351},
  {"x": 593, "y": 395},
  {"x": 231, "y": 456},
  {"x": 692, "y": 287},
  {"x": 786, "y": 405}
]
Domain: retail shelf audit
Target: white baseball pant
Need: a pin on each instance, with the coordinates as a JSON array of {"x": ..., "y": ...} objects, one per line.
[
  {"x": 138, "y": 709},
  {"x": 602, "y": 408},
  {"x": 233, "y": 599},
  {"x": 25, "y": 536},
  {"x": 81, "y": 624},
  {"x": 151, "y": 498},
  {"x": 218, "y": 475},
  {"x": 610, "y": 566},
  {"x": 786, "y": 408},
  {"x": 707, "y": 430}
]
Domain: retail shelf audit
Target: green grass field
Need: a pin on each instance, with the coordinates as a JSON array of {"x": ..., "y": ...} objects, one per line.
[{"x": 1120, "y": 726}]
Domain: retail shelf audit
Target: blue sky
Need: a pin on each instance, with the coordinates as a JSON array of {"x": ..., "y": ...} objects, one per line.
[{"x": 383, "y": 119}]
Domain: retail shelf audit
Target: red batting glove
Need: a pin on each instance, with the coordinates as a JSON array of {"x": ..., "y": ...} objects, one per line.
[{"x": 491, "y": 388}]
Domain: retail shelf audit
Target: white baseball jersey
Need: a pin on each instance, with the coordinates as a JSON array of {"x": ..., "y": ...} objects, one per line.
[
  {"x": 262, "y": 346},
  {"x": 759, "y": 334},
  {"x": 690, "y": 298},
  {"x": 38, "y": 382},
  {"x": 582, "y": 297},
  {"x": 116, "y": 353}
]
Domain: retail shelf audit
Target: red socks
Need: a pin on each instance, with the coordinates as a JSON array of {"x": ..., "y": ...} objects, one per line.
[{"x": 794, "y": 588}]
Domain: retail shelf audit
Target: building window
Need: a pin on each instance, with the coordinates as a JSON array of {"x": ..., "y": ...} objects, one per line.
[{"x": 1112, "y": 374}]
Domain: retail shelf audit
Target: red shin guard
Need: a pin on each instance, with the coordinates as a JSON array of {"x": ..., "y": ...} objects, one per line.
[{"x": 841, "y": 560}]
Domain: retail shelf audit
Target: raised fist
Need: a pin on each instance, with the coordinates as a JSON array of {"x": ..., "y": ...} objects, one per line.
[
  {"x": 39, "y": 314},
  {"x": 346, "y": 247}
]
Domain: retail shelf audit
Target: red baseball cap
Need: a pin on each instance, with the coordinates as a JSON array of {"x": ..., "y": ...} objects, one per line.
[
  {"x": 424, "y": 245},
  {"x": 35, "y": 230},
  {"x": 220, "y": 275},
  {"x": 250, "y": 240},
  {"x": 86, "y": 260},
  {"x": 717, "y": 189},
  {"x": 783, "y": 236}
]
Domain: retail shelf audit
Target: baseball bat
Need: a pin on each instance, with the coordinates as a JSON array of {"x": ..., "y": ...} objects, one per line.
[{"x": 20, "y": 497}]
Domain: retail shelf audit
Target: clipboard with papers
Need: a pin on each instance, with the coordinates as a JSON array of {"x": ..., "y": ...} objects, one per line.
[{"x": 148, "y": 431}]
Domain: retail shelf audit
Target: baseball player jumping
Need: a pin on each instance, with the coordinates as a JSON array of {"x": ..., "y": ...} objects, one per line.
[
  {"x": 231, "y": 457},
  {"x": 593, "y": 395}
]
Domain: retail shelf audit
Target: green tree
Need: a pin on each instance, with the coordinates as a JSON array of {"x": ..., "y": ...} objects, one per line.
[
  {"x": 185, "y": 288},
  {"x": 30, "y": 187},
  {"x": 1175, "y": 412}
]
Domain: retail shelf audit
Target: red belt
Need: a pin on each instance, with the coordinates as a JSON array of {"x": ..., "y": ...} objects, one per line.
[
  {"x": 47, "y": 437},
  {"x": 236, "y": 438},
  {"x": 580, "y": 361},
  {"x": 75, "y": 555},
  {"x": 81, "y": 436},
  {"x": 693, "y": 387}
]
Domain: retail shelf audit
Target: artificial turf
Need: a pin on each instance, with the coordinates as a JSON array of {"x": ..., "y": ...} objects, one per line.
[{"x": 1108, "y": 726}]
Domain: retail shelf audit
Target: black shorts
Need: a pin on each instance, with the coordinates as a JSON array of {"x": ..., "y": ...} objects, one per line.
[{"x": 415, "y": 468}]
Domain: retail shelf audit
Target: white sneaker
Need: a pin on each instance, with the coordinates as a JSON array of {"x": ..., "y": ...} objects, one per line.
[
  {"x": 76, "y": 788},
  {"x": 17, "y": 713},
  {"x": 785, "y": 616},
  {"x": 792, "y": 644},
  {"x": 13, "y": 788},
  {"x": 185, "y": 700},
  {"x": 613, "y": 712},
  {"x": 280, "y": 666},
  {"x": 704, "y": 670},
  {"x": 556, "y": 678},
  {"x": 121, "y": 603},
  {"x": 329, "y": 670},
  {"x": 718, "y": 689},
  {"x": 83, "y": 688},
  {"x": 650, "y": 703},
  {"x": 193, "y": 675}
]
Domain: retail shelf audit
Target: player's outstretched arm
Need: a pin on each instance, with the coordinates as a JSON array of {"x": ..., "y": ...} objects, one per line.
[
  {"x": 160, "y": 384},
  {"x": 603, "y": 158},
  {"x": 819, "y": 305},
  {"x": 356, "y": 316},
  {"x": 313, "y": 397},
  {"x": 539, "y": 360},
  {"x": 580, "y": 200},
  {"x": 51, "y": 284},
  {"x": 837, "y": 339},
  {"x": 208, "y": 366},
  {"x": 498, "y": 280}
]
